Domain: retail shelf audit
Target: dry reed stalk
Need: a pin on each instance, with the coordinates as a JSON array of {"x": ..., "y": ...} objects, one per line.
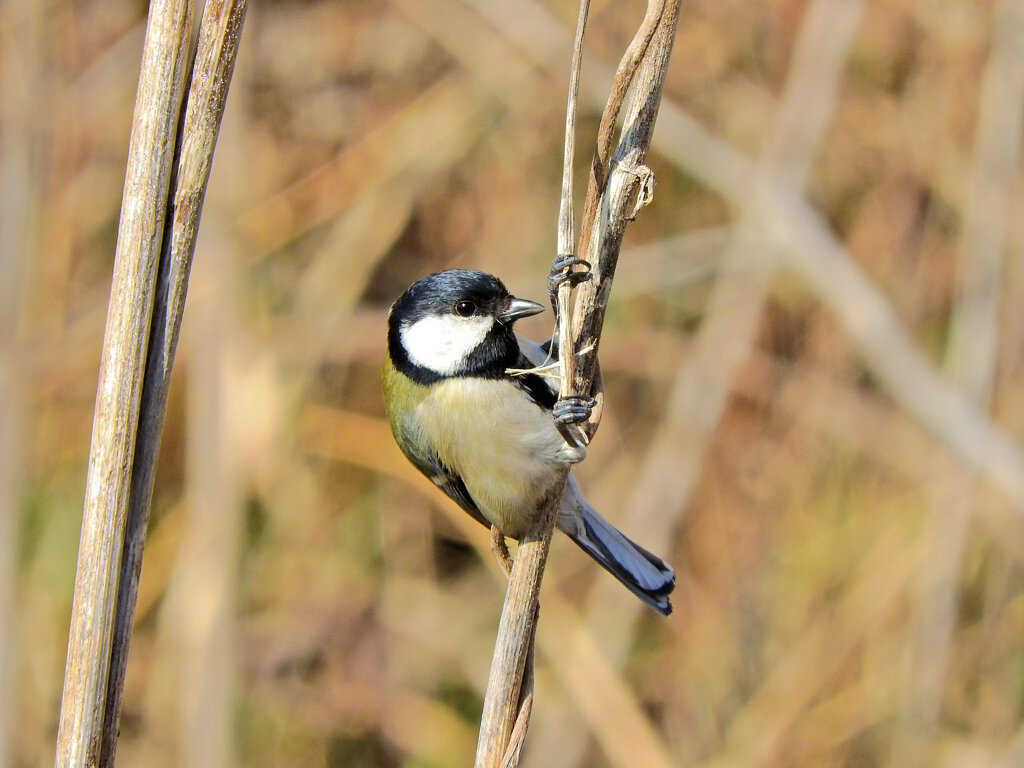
[
  {"x": 566, "y": 219},
  {"x": 214, "y": 63},
  {"x": 624, "y": 188},
  {"x": 147, "y": 179},
  {"x": 704, "y": 380},
  {"x": 139, "y": 340},
  {"x": 624, "y": 78}
]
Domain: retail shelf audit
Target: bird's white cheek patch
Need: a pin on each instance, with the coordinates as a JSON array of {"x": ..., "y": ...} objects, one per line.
[{"x": 442, "y": 344}]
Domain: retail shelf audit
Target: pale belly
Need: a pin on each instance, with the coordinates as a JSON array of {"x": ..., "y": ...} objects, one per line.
[{"x": 505, "y": 447}]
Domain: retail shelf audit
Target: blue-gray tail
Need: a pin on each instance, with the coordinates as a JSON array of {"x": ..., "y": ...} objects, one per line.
[{"x": 645, "y": 574}]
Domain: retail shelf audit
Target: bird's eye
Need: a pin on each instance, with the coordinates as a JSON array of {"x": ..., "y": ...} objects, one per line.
[{"x": 465, "y": 308}]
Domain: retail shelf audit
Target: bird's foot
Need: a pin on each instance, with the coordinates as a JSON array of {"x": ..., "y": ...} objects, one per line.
[
  {"x": 561, "y": 271},
  {"x": 500, "y": 551},
  {"x": 573, "y": 409}
]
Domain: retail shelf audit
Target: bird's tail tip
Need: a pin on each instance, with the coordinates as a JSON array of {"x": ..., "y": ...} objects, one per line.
[{"x": 645, "y": 574}]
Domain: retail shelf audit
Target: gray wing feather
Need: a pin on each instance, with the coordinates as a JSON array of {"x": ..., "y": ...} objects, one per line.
[{"x": 449, "y": 481}]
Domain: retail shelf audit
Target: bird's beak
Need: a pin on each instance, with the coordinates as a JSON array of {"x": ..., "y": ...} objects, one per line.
[{"x": 519, "y": 308}]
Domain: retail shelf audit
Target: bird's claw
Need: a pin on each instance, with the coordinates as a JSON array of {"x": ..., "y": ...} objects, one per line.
[
  {"x": 500, "y": 551},
  {"x": 561, "y": 272},
  {"x": 573, "y": 409}
]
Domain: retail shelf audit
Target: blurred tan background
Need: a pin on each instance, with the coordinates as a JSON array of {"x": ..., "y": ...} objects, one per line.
[{"x": 814, "y": 365}]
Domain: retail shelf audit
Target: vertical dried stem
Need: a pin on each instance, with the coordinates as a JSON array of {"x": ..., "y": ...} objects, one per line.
[
  {"x": 214, "y": 64},
  {"x": 566, "y": 223},
  {"x": 118, "y": 395},
  {"x": 137, "y": 355},
  {"x": 505, "y": 706},
  {"x": 509, "y": 699},
  {"x": 628, "y": 186},
  {"x": 702, "y": 383},
  {"x": 566, "y": 217},
  {"x": 624, "y": 77},
  {"x": 504, "y": 698}
]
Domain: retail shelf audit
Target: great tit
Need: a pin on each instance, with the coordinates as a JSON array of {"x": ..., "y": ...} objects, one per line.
[{"x": 485, "y": 436}]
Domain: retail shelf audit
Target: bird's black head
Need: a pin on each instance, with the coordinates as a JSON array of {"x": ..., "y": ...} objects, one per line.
[{"x": 455, "y": 323}]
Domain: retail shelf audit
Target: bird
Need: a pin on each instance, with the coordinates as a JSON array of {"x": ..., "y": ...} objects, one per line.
[{"x": 468, "y": 409}]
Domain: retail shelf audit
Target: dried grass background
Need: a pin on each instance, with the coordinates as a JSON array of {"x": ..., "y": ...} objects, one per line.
[{"x": 836, "y": 224}]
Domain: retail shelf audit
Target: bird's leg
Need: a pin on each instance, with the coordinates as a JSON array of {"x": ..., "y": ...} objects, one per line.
[
  {"x": 570, "y": 409},
  {"x": 561, "y": 271},
  {"x": 500, "y": 550}
]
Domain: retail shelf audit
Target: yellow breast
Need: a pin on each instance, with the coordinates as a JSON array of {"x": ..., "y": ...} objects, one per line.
[{"x": 504, "y": 446}]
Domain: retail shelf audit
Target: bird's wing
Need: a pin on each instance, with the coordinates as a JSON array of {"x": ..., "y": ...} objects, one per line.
[
  {"x": 538, "y": 354},
  {"x": 441, "y": 475},
  {"x": 542, "y": 389}
]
